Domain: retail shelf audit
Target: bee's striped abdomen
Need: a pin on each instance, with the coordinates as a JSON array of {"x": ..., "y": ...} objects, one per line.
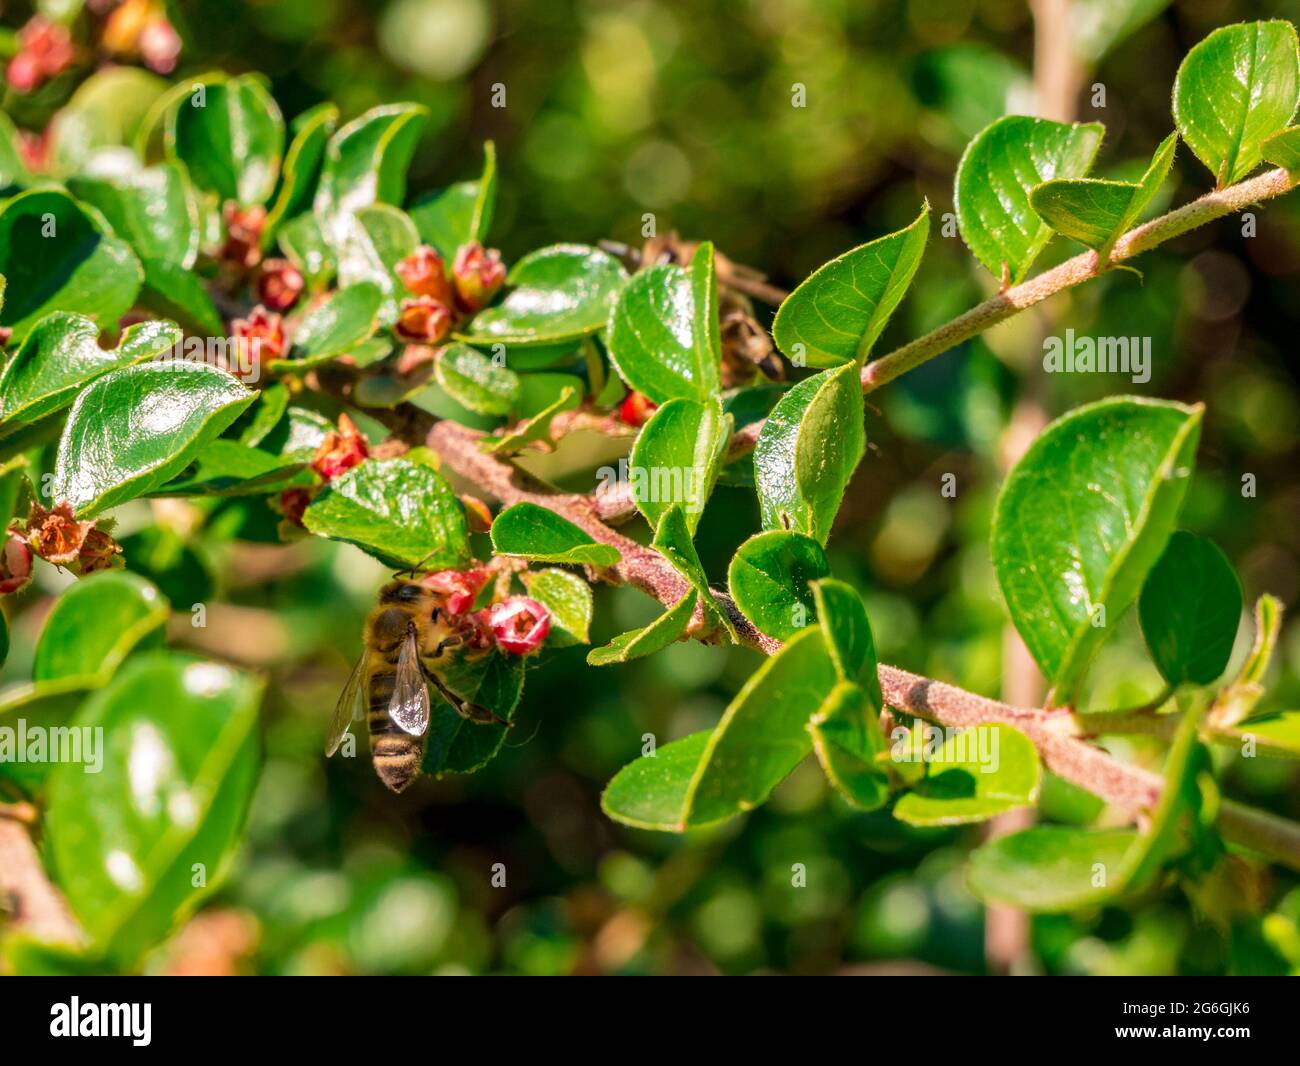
[{"x": 395, "y": 753}]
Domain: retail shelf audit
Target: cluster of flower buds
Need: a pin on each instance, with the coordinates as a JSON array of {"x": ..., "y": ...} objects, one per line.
[
  {"x": 438, "y": 300},
  {"x": 517, "y": 625},
  {"x": 141, "y": 27},
  {"x": 258, "y": 337},
  {"x": 45, "y": 50},
  {"x": 279, "y": 284},
  {"x": 340, "y": 451},
  {"x": 58, "y": 537}
]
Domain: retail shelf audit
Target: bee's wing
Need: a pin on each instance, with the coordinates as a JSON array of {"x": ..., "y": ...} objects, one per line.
[
  {"x": 409, "y": 707},
  {"x": 350, "y": 707}
]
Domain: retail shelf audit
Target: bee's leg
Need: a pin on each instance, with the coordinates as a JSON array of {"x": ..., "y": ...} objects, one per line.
[
  {"x": 447, "y": 642},
  {"x": 471, "y": 711}
]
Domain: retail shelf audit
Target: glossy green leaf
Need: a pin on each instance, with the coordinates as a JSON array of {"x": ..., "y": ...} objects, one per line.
[
  {"x": 535, "y": 428},
  {"x": 770, "y": 579},
  {"x": 312, "y": 131},
  {"x": 663, "y": 332},
  {"x": 369, "y": 244},
  {"x": 456, "y": 745},
  {"x": 460, "y": 213},
  {"x": 333, "y": 328},
  {"x": 650, "y": 793},
  {"x": 229, "y": 135},
  {"x": 808, "y": 450},
  {"x": 39, "y": 706},
  {"x": 556, "y": 294},
  {"x": 179, "y": 764},
  {"x": 473, "y": 380},
  {"x": 534, "y": 532},
  {"x": 402, "y": 512},
  {"x": 94, "y": 624},
  {"x": 56, "y": 254},
  {"x": 568, "y": 598},
  {"x": 994, "y": 179},
  {"x": 366, "y": 160},
  {"x": 134, "y": 429},
  {"x": 668, "y": 628},
  {"x": 843, "y": 619},
  {"x": 176, "y": 292},
  {"x": 232, "y": 468},
  {"x": 839, "y": 311},
  {"x": 977, "y": 773},
  {"x": 152, "y": 210},
  {"x": 673, "y": 541},
  {"x": 1283, "y": 149},
  {"x": 304, "y": 243},
  {"x": 1234, "y": 90},
  {"x": 676, "y": 458},
  {"x": 61, "y": 354},
  {"x": 1097, "y": 213},
  {"x": 1189, "y": 609},
  {"x": 848, "y": 742},
  {"x": 1050, "y": 867},
  {"x": 1082, "y": 518}
]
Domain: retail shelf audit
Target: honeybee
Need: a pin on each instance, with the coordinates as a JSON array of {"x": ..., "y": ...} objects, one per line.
[{"x": 405, "y": 637}]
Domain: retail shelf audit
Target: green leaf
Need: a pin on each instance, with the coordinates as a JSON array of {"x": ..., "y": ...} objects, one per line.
[
  {"x": 1189, "y": 609},
  {"x": 668, "y": 628},
  {"x": 1081, "y": 520},
  {"x": 179, "y": 765},
  {"x": 333, "y": 328},
  {"x": 676, "y": 458},
  {"x": 673, "y": 541},
  {"x": 770, "y": 577},
  {"x": 995, "y": 176},
  {"x": 232, "y": 468},
  {"x": 366, "y": 160},
  {"x": 1238, "y": 699},
  {"x": 839, "y": 311},
  {"x": 1050, "y": 867},
  {"x": 977, "y": 774},
  {"x": 473, "y": 380},
  {"x": 534, "y": 532},
  {"x": 1283, "y": 149},
  {"x": 1277, "y": 735},
  {"x": 56, "y": 254},
  {"x": 178, "y": 293},
  {"x": 556, "y": 294},
  {"x": 535, "y": 428},
  {"x": 455, "y": 745},
  {"x": 94, "y": 624},
  {"x": 649, "y": 793},
  {"x": 402, "y": 512},
  {"x": 568, "y": 598},
  {"x": 368, "y": 246},
  {"x": 43, "y": 705},
  {"x": 460, "y": 213},
  {"x": 153, "y": 210},
  {"x": 807, "y": 452},
  {"x": 843, "y": 619},
  {"x": 848, "y": 741},
  {"x": 1233, "y": 91},
  {"x": 304, "y": 243},
  {"x": 663, "y": 332},
  {"x": 136, "y": 428},
  {"x": 1097, "y": 213},
  {"x": 61, "y": 354},
  {"x": 229, "y": 137},
  {"x": 13, "y": 171},
  {"x": 312, "y": 130},
  {"x": 1100, "y": 25}
]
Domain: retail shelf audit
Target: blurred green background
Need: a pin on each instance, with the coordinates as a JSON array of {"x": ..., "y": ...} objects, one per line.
[{"x": 684, "y": 110}]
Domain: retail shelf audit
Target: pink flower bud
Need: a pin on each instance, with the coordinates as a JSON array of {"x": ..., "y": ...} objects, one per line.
[
  {"x": 520, "y": 625},
  {"x": 425, "y": 274},
  {"x": 457, "y": 587},
  {"x": 478, "y": 274},
  {"x": 15, "y": 564},
  {"x": 160, "y": 46},
  {"x": 24, "y": 73},
  {"x": 423, "y": 320},
  {"x": 341, "y": 450},
  {"x": 260, "y": 336},
  {"x": 280, "y": 285}
]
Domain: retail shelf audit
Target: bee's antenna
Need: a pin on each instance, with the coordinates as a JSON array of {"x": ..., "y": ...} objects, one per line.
[
  {"x": 418, "y": 566},
  {"x": 536, "y": 729}
]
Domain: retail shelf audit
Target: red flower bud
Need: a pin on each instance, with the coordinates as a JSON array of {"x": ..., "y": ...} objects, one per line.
[
  {"x": 160, "y": 46},
  {"x": 293, "y": 502},
  {"x": 35, "y": 150},
  {"x": 425, "y": 274},
  {"x": 15, "y": 564},
  {"x": 24, "y": 73},
  {"x": 424, "y": 320},
  {"x": 99, "y": 551},
  {"x": 457, "y": 587},
  {"x": 280, "y": 285},
  {"x": 478, "y": 274},
  {"x": 636, "y": 409},
  {"x": 49, "y": 44},
  {"x": 259, "y": 336},
  {"x": 341, "y": 450},
  {"x": 520, "y": 625},
  {"x": 6, "y": 335},
  {"x": 244, "y": 226},
  {"x": 56, "y": 536}
]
